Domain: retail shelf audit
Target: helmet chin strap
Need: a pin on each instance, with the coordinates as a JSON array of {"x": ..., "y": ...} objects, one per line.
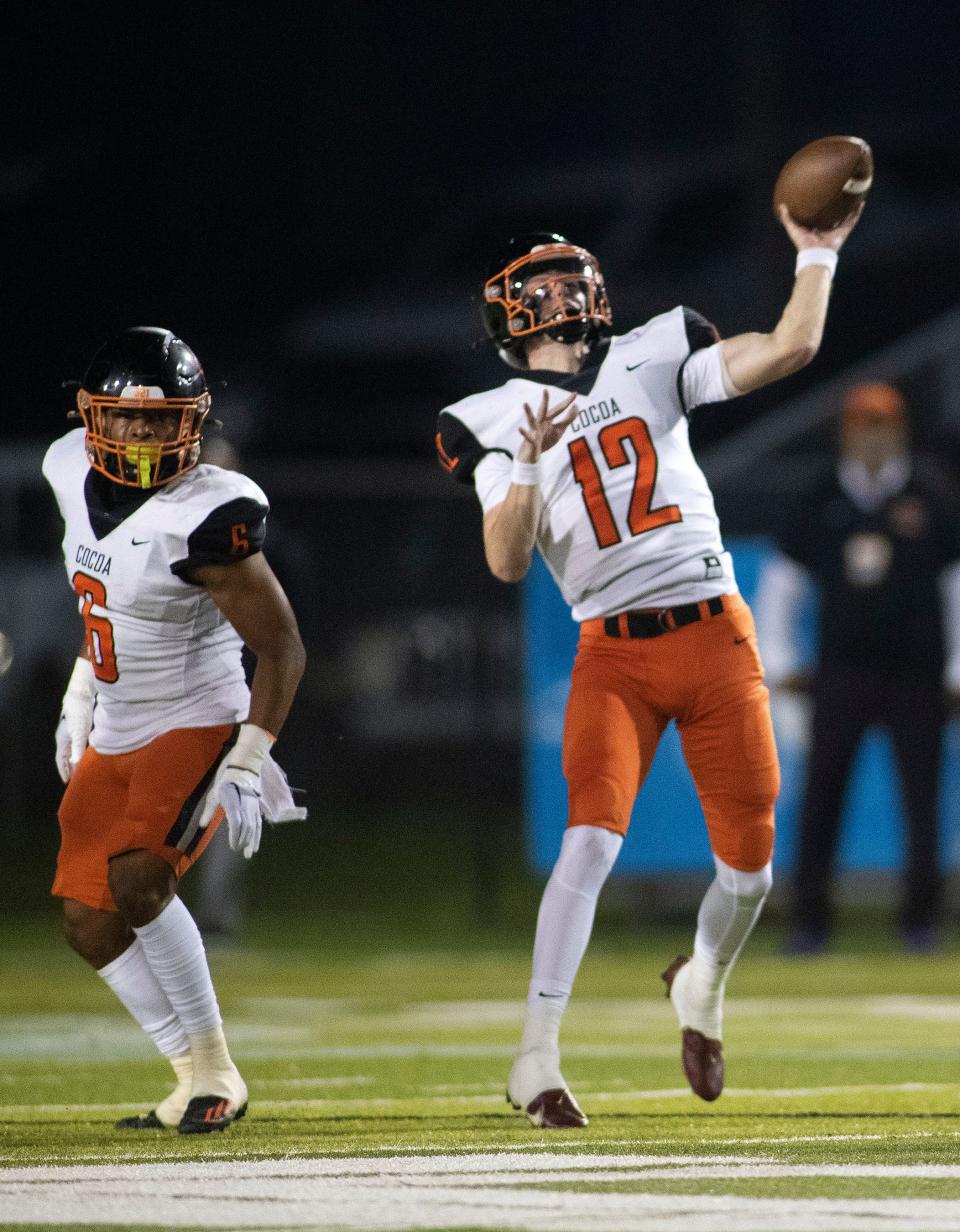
[{"x": 573, "y": 329}]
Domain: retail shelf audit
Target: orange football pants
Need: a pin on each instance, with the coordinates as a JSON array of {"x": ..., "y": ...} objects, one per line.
[
  {"x": 144, "y": 800},
  {"x": 708, "y": 678}
]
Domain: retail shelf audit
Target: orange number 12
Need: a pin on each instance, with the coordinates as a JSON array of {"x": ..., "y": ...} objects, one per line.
[{"x": 640, "y": 517}]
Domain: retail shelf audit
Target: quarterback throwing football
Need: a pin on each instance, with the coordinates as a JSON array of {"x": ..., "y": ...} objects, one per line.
[
  {"x": 585, "y": 455},
  {"x": 165, "y": 558}
]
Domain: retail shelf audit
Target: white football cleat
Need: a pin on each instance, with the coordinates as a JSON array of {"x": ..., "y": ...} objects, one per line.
[{"x": 537, "y": 1086}]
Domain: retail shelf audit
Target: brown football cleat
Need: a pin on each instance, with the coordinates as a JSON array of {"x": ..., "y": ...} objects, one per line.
[
  {"x": 701, "y": 1056},
  {"x": 554, "y": 1109},
  {"x": 538, "y": 1088}
]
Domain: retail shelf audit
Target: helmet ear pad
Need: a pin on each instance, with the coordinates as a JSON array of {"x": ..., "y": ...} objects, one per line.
[{"x": 509, "y": 321}]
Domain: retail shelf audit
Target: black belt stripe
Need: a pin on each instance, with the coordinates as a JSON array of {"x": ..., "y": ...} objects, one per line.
[{"x": 651, "y": 624}]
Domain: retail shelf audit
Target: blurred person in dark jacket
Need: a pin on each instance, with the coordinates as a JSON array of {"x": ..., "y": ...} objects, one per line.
[{"x": 879, "y": 536}]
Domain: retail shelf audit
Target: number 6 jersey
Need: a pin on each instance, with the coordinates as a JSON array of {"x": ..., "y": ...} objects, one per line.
[
  {"x": 628, "y": 520},
  {"x": 163, "y": 654}
]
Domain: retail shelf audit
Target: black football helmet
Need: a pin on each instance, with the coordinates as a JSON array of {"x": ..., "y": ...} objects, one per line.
[
  {"x": 516, "y": 287},
  {"x": 150, "y": 369}
]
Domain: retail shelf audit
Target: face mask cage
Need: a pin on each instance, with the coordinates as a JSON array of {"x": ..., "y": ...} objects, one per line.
[
  {"x": 570, "y": 283},
  {"x": 145, "y": 464}
]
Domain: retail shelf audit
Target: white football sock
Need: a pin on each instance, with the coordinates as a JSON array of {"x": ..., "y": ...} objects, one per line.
[
  {"x": 174, "y": 949},
  {"x": 564, "y": 924},
  {"x": 134, "y": 984},
  {"x": 730, "y": 908}
]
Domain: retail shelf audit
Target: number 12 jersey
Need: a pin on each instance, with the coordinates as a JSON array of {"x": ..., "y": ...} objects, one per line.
[{"x": 628, "y": 520}]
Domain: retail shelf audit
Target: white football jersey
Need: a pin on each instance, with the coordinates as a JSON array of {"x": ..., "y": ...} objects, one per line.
[
  {"x": 164, "y": 655},
  {"x": 628, "y": 520}
]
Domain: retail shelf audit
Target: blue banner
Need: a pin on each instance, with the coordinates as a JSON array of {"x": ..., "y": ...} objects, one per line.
[{"x": 667, "y": 832}]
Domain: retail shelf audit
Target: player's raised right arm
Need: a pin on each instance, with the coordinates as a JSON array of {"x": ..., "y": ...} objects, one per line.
[
  {"x": 510, "y": 528},
  {"x": 755, "y": 359}
]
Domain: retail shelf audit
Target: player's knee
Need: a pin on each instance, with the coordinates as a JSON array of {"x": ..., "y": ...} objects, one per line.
[
  {"x": 586, "y": 857},
  {"x": 97, "y": 936},
  {"x": 753, "y": 886},
  {"x": 75, "y": 927},
  {"x": 141, "y": 884}
]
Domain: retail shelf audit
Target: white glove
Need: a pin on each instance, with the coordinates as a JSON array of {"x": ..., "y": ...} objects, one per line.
[
  {"x": 278, "y": 805},
  {"x": 238, "y": 794},
  {"x": 76, "y": 718},
  {"x": 236, "y": 789}
]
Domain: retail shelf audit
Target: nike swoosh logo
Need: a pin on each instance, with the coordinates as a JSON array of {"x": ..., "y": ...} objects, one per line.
[
  {"x": 630, "y": 367},
  {"x": 739, "y": 640},
  {"x": 139, "y": 542},
  {"x": 551, "y": 995}
]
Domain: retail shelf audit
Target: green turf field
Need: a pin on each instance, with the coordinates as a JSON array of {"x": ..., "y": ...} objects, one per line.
[{"x": 376, "y": 1069}]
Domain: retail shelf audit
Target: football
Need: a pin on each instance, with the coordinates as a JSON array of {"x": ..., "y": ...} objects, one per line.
[{"x": 822, "y": 184}]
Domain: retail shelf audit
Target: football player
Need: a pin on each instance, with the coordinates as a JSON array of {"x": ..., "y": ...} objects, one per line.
[
  {"x": 584, "y": 454},
  {"x": 160, "y": 738}
]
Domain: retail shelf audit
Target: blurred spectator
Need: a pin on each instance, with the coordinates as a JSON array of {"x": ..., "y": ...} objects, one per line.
[{"x": 879, "y": 536}]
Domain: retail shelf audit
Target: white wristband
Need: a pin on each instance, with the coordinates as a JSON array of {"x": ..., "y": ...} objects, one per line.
[
  {"x": 526, "y": 474},
  {"x": 252, "y": 746},
  {"x": 816, "y": 256}
]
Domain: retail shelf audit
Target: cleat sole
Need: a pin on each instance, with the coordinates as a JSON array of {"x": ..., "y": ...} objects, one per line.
[
  {"x": 146, "y": 1120},
  {"x": 669, "y": 975}
]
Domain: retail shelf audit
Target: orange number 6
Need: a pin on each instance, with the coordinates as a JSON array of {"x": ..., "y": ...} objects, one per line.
[{"x": 98, "y": 629}]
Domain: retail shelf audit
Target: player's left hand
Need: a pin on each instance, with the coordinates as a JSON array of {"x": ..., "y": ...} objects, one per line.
[
  {"x": 545, "y": 427},
  {"x": 237, "y": 792},
  {"x": 237, "y": 789}
]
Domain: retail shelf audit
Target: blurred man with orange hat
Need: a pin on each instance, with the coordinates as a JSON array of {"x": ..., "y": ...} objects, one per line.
[{"x": 880, "y": 537}]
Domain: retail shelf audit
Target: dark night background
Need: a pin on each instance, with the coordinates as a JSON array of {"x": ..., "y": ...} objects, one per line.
[{"x": 309, "y": 194}]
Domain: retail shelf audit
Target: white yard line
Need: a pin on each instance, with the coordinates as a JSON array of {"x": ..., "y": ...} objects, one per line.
[
  {"x": 576, "y": 1143},
  {"x": 492, "y": 1190},
  {"x": 926, "y": 1009}
]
